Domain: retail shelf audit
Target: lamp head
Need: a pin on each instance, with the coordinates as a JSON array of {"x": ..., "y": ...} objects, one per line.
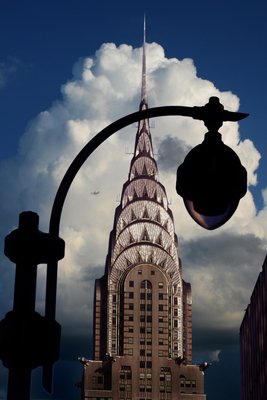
[{"x": 211, "y": 179}]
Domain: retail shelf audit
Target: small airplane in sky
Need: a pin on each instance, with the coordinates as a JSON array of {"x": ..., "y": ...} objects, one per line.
[{"x": 95, "y": 192}]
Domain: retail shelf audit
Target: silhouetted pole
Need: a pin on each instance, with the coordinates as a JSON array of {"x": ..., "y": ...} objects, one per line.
[{"x": 28, "y": 340}]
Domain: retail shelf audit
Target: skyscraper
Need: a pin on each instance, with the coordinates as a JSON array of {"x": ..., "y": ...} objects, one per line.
[
  {"x": 142, "y": 306},
  {"x": 253, "y": 345}
]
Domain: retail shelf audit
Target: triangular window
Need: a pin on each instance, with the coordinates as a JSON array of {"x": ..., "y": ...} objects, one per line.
[
  {"x": 128, "y": 262},
  {"x": 145, "y": 235},
  {"x": 144, "y": 172},
  {"x": 131, "y": 238},
  {"x": 159, "y": 239},
  {"x": 150, "y": 258},
  {"x": 133, "y": 216},
  {"x": 166, "y": 224},
  {"x": 139, "y": 258},
  {"x": 135, "y": 194},
  {"x": 145, "y": 194},
  {"x": 157, "y": 217},
  {"x": 145, "y": 214}
]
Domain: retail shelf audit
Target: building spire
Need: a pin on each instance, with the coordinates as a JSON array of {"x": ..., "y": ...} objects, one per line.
[{"x": 143, "y": 89}]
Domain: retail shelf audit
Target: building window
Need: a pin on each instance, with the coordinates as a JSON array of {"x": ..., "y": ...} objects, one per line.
[
  {"x": 142, "y": 364},
  {"x": 149, "y": 318},
  {"x": 149, "y": 364},
  {"x": 130, "y": 329},
  {"x": 131, "y": 295},
  {"x": 140, "y": 272},
  {"x": 142, "y": 352},
  {"x": 131, "y": 283},
  {"x": 161, "y": 296},
  {"x": 161, "y": 308},
  {"x": 142, "y": 329},
  {"x": 114, "y": 298},
  {"x": 131, "y": 306},
  {"x": 130, "y": 317},
  {"x": 161, "y": 285},
  {"x": 142, "y": 318},
  {"x": 146, "y": 285},
  {"x": 149, "y": 307}
]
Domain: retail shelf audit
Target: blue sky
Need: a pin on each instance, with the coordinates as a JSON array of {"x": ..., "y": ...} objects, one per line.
[{"x": 43, "y": 46}]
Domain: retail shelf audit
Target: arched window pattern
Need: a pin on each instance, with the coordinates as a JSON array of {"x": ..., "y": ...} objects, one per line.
[{"x": 146, "y": 284}]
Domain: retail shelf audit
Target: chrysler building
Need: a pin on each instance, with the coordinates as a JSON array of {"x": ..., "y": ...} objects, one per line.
[{"x": 142, "y": 338}]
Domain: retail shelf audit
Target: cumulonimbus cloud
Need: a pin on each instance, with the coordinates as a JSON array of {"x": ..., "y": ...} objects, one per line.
[{"x": 105, "y": 87}]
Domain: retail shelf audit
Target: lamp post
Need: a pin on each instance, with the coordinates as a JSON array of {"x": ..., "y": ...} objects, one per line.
[{"x": 29, "y": 340}]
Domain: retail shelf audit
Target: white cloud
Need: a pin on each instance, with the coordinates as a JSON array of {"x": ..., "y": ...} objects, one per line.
[{"x": 104, "y": 88}]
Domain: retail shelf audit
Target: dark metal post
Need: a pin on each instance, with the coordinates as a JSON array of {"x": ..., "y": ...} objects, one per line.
[{"x": 28, "y": 340}]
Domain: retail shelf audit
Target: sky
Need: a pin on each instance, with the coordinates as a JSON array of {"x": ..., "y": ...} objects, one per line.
[{"x": 67, "y": 70}]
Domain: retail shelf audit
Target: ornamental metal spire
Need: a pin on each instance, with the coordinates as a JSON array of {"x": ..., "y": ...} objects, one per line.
[
  {"x": 143, "y": 239},
  {"x": 143, "y": 89}
]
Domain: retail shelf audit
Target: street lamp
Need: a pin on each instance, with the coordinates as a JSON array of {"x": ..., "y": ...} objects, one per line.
[
  {"x": 29, "y": 340},
  {"x": 211, "y": 179}
]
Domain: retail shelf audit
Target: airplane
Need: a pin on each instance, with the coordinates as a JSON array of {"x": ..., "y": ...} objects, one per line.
[{"x": 95, "y": 192}]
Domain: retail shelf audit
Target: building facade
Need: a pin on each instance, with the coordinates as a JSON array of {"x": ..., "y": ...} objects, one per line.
[
  {"x": 253, "y": 342},
  {"x": 142, "y": 306}
]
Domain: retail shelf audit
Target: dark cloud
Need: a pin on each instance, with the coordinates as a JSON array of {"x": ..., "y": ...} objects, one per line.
[
  {"x": 222, "y": 270},
  {"x": 208, "y": 339},
  {"x": 171, "y": 153},
  {"x": 229, "y": 249}
]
